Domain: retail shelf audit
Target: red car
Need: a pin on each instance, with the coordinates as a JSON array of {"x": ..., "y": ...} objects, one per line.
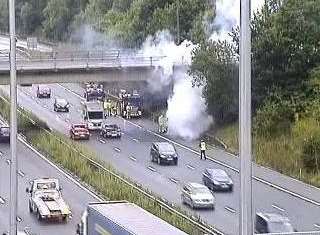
[{"x": 79, "y": 132}]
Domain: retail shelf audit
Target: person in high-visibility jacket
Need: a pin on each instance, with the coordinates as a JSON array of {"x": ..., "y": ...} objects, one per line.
[
  {"x": 160, "y": 123},
  {"x": 203, "y": 149},
  {"x": 128, "y": 111},
  {"x": 107, "y": 107}
]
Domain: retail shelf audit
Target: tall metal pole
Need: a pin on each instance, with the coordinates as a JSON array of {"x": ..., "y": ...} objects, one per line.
[
  {"x": 246, "y": 218},
  {"x": 13, "y": 122},
  {"x": 178, "y": 22}
]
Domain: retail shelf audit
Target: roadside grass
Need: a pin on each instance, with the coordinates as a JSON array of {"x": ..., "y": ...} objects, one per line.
[
  {"x": 82, "y": 163},
  {"x": 282, "y": 153}
]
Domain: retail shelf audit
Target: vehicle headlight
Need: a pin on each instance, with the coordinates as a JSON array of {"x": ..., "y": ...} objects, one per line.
[
  {"x": 216, "y": 182},
  {"x": 162, "y": 156},
  {"x": 230, "y": 182},
  {"x": 139, "y": 112}
]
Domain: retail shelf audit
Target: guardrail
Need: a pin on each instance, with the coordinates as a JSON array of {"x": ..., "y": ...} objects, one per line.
[{"x": 83, "y": 63}]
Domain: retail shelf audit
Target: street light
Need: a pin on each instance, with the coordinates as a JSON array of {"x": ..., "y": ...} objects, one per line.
[
  {"x": 246, "y": 218},
  {"x": 13, "y": 121}
]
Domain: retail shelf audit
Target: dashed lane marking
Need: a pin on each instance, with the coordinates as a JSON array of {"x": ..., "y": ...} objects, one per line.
[
  {"x": 230, "y": 209},
  {"x": 19, "y": 219},
  {"x": 317, "y": 226},
  {"x": 102, "y": 141},
  {"x": 133, "y": 158},
  {"x": 174, "y": 180},
  {"x": 135, "y": 140},
  {"x": 21, "y": 173},
  {"x": 117, "y": 149},
  {"x": 151, "y": 168},
  {"x": 8, "y": 161},
  {"x": 2, "y": 200},
  {"x": 190, "y": 167},
  {"x": 278, "y": 208}
]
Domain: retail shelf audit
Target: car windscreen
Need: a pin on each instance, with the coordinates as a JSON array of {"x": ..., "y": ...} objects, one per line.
[
  {"x": 166, "y": 149},
  {"x": 200, "y": 190},
  {"x": 95, "y": 115},
  {"x": 5, "y": 130},
  {"x": 46, "y": 185},
  {"x": 280, "y": 226},
  {"x": 62, "y": 102}
]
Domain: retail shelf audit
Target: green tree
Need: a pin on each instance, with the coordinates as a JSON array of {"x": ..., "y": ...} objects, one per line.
[
  {"x": 4, "y": 16},
  {"x": 215, "y": 67},
  {"x": 56, "y": 20}
]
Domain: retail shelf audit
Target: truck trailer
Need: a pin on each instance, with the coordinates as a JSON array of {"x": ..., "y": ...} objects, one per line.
[
  {"x": 93, "y": 115},
  {"x": 122, "y": 218}
]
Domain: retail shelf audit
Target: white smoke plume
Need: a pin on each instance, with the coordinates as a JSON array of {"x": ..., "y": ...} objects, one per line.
[
  {"x": 228, "y": 17},
  {"x": 187, "y": 116}
]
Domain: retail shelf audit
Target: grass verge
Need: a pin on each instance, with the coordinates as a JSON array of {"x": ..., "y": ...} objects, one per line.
[{"x": 282, "y": 153}]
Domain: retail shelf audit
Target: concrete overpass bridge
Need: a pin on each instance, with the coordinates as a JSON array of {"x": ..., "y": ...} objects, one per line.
[{"x": 71, "y": 67}]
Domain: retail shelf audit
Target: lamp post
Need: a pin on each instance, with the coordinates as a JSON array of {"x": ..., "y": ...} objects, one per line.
[
  {"x": 246, "y": 218},
  {"x": 13, "y": 121}
]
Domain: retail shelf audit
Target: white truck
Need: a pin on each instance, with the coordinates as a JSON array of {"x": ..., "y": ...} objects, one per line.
[
  {"x": 46, "y": 200},
  {"x": 122, "y": 218},
  {"x": 93, "y": 114}
]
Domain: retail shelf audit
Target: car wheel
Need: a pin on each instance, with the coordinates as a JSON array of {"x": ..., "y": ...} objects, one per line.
[
  {"x": 54, "y": 108},
  {"x": 176, "y": 162},
  {"x": 30, "y": 208},
  {"x": 65, "y": 218},
  {"x": 152, "y": 159},
  {"x": 38, "y": 215},
  {"x": 182, "y": 200},
  {"x": 159, "y": 161}
]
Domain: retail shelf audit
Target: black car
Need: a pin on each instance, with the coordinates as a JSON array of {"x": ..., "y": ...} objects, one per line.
[
  {"x": 110, "y": 131},
  {"x": 4, "y": 134},
  {"x": 61, "y": 105},
  {"x": 217, "y": 180},
  {"x": 43, "y": 91},
  {"x": 272, "y": 223},
  {"x": 163, "y": 152}
]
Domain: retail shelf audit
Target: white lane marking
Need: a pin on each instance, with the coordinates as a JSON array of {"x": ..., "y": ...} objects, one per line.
[
  {"x": 135, "y": 140},
  {"x": 67, "y": 120},
  {"x": 1, "y": 153},
  {"x": 2, "y": 200},
  {"x": 151, "y": 168},
  {"x": 19, "y": 219},
  {"x": 117, "y": 149},
  {"x": 61, "y": 171},
  {"x": 133, "y": 158},
  {"x": 8, "y": 161},
  {"x": 190, "y": 167},
  {"x": 46, "y": 106},
  {"x": 21, "y": 173},
  {"x": 58, "y": 116},
  {"x": 278, "y": 208},
  {"x": 174, "y": 180},
  {"x": 230, "y": 209},
  {"x": 102, "y": 141},
  {"x": 317, "y": 226},
  {"x": 71, "y": 91},
  {"x": 219, "y": 162}
]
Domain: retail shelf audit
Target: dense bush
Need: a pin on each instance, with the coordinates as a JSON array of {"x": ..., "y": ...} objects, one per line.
[{"x": 311, "y": 153}]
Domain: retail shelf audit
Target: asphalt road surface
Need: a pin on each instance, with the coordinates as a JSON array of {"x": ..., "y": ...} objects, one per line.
[
  {"x": 32, "y": 166},
  {"x": 130, "y": 156}
]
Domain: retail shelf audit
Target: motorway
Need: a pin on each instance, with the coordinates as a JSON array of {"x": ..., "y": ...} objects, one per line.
[
  {"x": 130, "y": 156},
  {"x": 31, "y": 166}
]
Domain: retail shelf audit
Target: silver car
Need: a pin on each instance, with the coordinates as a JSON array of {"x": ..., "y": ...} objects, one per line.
[{"x": 197, "y": 196}]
